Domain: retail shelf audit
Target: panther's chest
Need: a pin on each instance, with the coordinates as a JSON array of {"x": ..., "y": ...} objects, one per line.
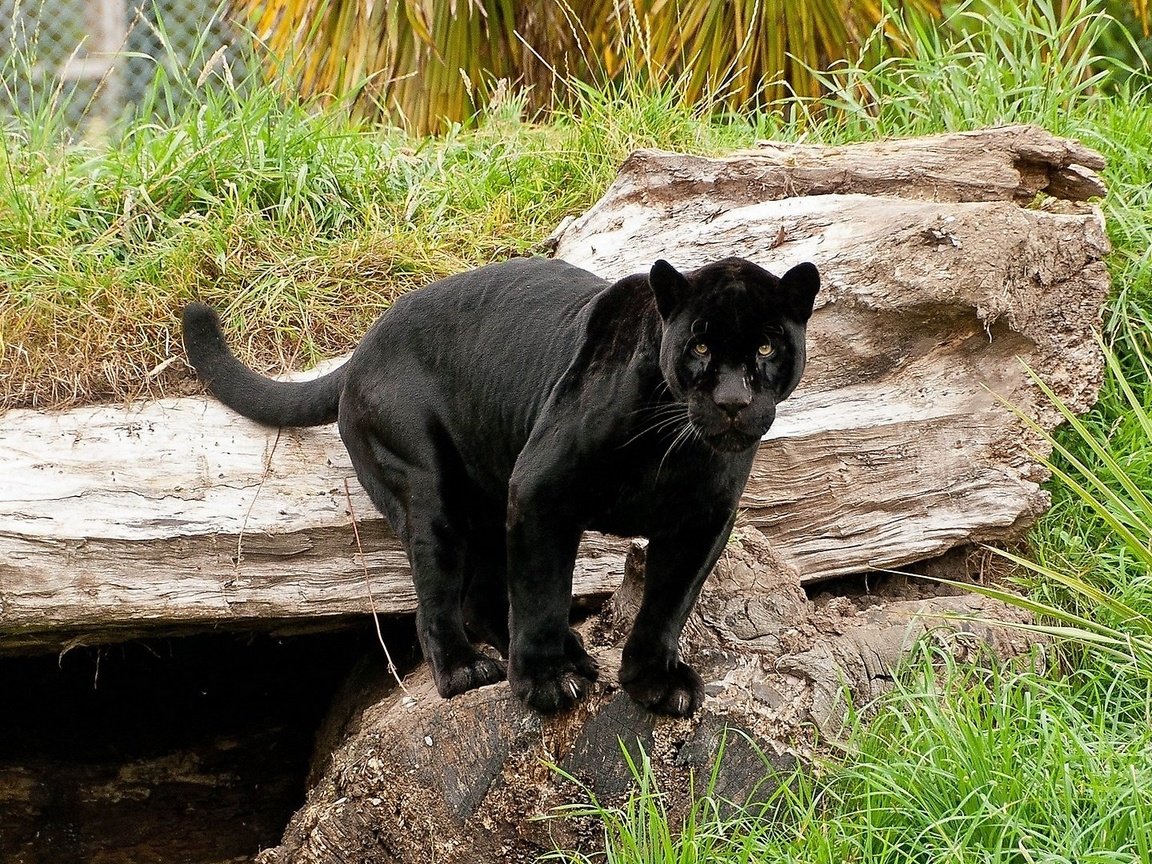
[{"x": 666, "y": 492}]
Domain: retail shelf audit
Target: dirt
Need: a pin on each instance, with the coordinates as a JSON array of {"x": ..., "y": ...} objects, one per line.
[{"x": 163, "y": 751}]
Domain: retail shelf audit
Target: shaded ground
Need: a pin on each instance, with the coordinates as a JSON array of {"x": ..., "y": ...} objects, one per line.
[{"x": 190, "y": 750}]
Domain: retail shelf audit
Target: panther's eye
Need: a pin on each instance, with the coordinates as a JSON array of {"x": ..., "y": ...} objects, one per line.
[
  {"x": 700, "y": 349},
  {"x": 766, "y": 350}
]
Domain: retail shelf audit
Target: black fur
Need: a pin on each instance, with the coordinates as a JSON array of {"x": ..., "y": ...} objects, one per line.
[{"x": 495, "y": 415}]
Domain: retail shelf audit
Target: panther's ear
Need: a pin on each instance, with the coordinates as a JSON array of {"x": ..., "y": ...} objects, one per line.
[
  {"x": 669, "y": 286},
  {"x": 799, "y": 286}
]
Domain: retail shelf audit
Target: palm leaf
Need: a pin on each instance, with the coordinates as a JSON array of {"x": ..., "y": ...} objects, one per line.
[{"x": 429, "y": 63}]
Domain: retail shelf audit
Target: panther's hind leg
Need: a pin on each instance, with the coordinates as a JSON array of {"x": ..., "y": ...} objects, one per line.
[
  {"x": 485, "y": 606},
  {"x": 415, "y": 496}
]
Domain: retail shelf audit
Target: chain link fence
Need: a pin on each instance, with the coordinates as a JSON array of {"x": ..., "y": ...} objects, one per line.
[{"x": 96, "y": 59}]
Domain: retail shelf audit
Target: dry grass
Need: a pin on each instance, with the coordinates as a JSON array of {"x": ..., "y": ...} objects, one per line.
[
  {"x": 284, "y": 309},
  {"x": 285, "y": 306}
]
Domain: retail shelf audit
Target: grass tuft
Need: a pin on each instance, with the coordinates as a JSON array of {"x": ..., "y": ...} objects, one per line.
[{"x": 990, "y": 63}]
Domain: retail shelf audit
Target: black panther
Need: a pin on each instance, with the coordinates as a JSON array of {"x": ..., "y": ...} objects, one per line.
[{"x": 495, "y": 415}]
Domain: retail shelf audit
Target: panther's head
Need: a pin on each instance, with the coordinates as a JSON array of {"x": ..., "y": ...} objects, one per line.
[{"x": 732, "y": 345}]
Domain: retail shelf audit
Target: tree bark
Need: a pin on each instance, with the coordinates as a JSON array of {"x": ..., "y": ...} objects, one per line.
[
  {"x": 944, "y": 265},
  {"x": 415, "y": 778}
]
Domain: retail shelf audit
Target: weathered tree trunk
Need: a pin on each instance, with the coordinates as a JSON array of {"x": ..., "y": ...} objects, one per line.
[
  {"x": 179, "y": 515},
  {"x": 942, "y": 262},
  {"x": 419, "y": 778}
]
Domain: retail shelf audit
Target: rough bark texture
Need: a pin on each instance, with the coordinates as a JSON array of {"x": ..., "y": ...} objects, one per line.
[
  {"x": 941, "y": 267},
  {"x": 418, "y": 778}
]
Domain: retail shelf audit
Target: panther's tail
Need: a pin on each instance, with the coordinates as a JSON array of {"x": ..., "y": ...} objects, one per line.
[{"x": 273, "y": 403}]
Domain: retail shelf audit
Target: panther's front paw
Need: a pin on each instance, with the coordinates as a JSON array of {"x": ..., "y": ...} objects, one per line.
[
  {"x": 467, "y": 674},
  {"x": 673, "y": 689},
  {"x": 551, "y": 687},
  {"x": 579, "y": 658}
]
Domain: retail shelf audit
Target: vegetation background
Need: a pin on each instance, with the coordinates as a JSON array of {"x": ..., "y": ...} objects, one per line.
[{"x": 302, "y": 200}]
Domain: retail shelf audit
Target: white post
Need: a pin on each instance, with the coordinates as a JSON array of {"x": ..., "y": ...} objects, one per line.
[{"x": 107, "y": 24}]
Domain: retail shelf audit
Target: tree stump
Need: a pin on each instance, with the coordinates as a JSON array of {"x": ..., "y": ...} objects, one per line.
[{"x": 471, "y": 779}]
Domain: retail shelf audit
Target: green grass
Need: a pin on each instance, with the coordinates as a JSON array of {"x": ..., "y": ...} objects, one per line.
[
  {"x": 303, "y": 225},
  {"x": 642, "y": 829},
  {"x": 956, "y": 766},
  {"x": 1011, "y": 768},
  {"x": 293, "y": 219},
  {"x": 994, "y": 63}
]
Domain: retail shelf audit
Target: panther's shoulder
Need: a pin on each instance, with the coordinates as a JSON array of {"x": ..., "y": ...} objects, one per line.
[{"x": 621, "y": 319}]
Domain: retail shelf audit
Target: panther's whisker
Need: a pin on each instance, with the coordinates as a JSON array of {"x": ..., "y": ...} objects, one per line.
[
  {"x": 661, "y": 422},
  {"x": 659, "y": 390},
  {"x": 659, "y": 408},
  {"x": 689, "y": 433},
  {"x": 686, "y": 431}
]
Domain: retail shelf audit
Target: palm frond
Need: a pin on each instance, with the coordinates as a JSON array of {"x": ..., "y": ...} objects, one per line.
[{"x": 431, "y": 63}]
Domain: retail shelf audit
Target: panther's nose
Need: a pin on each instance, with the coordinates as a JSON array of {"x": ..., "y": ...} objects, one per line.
[
  {"x": 734, "y": 406},
  {"x": 732, "y": 394}
]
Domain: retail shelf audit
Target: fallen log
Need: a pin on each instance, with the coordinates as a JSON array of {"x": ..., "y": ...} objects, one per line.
[
  {"x": 943, "y": 263},
  {"x": 178, "y": 515}
]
